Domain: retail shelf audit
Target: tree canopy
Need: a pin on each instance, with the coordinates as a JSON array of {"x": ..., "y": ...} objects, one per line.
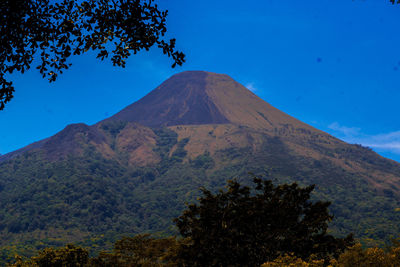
[
  {"x": 245, "y": 226},
  {"x": 70, "y": 255},
  {"x": 241, "y": 226},
  {"x": 140, "y": 250},
  {"x": 54, "y": 32}
]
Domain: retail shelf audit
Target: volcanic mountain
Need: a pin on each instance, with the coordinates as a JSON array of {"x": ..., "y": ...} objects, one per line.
[
  {"x": 133, "y": 172},
  {"x": 197, "y": 97}
]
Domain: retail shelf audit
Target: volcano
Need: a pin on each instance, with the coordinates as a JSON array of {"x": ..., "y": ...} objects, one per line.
[
  {"x": 134, "y": 171},
  {"x": 198, "y": 97}
]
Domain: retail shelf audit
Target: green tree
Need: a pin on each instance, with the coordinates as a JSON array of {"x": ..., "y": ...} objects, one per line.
[
  {"x": 245, "y": 226},
  {"x": 140, "y": 250},
  {"x": 68, "y": 256},
  {"x": 56, "y": 31},
  {"x": 370, "y": 257}
]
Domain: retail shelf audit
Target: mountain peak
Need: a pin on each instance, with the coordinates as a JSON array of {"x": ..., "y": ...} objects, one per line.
[
  {"x": 198, "y": 74},
  {"x": 182, "y": 99},
  {"x": 200, "y": 97}
]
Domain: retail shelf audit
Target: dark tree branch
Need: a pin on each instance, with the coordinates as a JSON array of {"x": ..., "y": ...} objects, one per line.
[{"x": 54, "y": 32}]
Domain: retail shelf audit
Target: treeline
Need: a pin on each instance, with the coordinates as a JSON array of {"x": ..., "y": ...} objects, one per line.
[
  {"x": 239, "y": 226},
  {"x": 145, "y": 251},
  {"x": 353, "y": 257}
]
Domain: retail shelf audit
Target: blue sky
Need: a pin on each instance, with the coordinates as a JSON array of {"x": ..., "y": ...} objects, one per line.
[{"x": 334, "y": 64}]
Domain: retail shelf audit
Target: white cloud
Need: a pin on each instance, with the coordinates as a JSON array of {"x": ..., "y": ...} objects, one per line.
[
  {"x": 251, "y": 87},
  {"x": 389, "y": 142},
  {"x": 390, "y": 146},
  {"x": 347, "y": 131}
]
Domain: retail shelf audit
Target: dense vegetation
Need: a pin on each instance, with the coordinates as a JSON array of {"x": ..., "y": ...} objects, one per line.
[
  {"x": 143, "y": 250},
  {"x": 265, "y": 225},
  {"x": 92, "y": 201},
  {"x": 241, "y": 226},
  {"x": 354, "y": 256},
  {"x": 245, "y": 226}
]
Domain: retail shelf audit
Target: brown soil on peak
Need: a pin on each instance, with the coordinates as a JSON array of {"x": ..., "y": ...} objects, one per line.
[
  {"x": 198, "y": 98},
  {"x": 179, "y": 100},
  {"x": 240, "y": 106}
]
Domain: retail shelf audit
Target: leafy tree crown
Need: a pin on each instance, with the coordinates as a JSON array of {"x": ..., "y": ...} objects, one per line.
[{"x": 245, "y": 226}]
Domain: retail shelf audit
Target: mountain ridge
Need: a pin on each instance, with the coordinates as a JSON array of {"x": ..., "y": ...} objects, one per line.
[{"x": 189, "y": 98}]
